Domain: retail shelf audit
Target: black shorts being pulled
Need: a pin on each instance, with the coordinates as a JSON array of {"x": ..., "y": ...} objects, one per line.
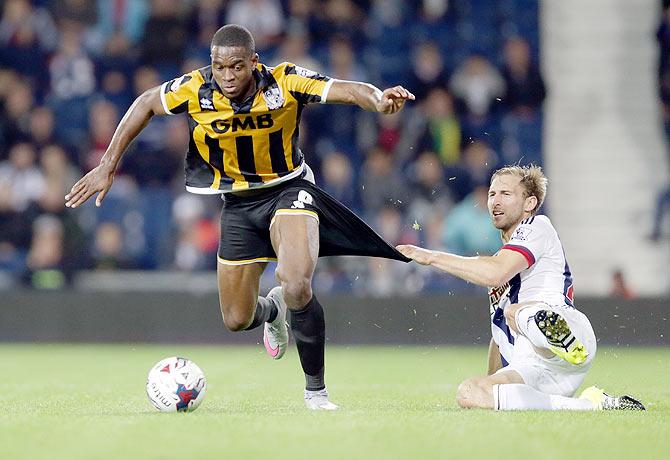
[{"x": 246, "y": 220}]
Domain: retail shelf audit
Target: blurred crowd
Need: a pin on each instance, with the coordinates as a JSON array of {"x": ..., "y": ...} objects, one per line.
[
  {"x": 69, "y": 69},
  {"x": 662, "y": 207}
]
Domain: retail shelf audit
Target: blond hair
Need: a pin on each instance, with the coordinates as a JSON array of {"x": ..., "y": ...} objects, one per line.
[{"x": 533, "y": 181}]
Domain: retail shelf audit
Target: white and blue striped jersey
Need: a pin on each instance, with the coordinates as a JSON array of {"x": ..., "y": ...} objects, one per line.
[{"x": 547, "y": 279}]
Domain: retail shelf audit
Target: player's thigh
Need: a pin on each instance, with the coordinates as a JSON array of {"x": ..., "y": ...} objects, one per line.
[
  {"x": 238, "y": 290},
  {"x": 295, "y": 239}
]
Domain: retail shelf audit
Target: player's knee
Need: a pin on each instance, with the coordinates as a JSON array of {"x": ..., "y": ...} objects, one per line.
[
  {"x": 236, "y": 322},
  {"x": 297, "y": 292}
]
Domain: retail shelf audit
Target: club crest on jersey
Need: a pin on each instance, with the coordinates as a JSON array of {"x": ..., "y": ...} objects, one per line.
[
  {"x": 522, "y": 233},
  {"x": 273, "y": 96},
  {"x": 206, "y": 104}
]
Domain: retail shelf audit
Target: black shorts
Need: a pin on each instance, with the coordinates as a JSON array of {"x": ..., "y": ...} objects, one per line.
[{"x": 246, "y": 221}]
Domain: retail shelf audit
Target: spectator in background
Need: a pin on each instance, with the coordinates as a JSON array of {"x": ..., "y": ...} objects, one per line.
[
  {"x": 302, "y": 19},
  {"x": 435, "y": 23},
  {"x": 338, "y": 179},
  {"x": 21, "y": 182},
  {"x": 263, "y": 18},
  {"x": 15, "y": 226},
  {"x": 197, "y": 234},
  {"x": 390, "y": 132},
  {"x": 165, "y": 37},
  {"x": 59, "y": 175},
  {"x": 442, "y": 128},
  {"x": 8, "y": 80},
  {"x": 144, "y": 78},
  {"x": 467, "y": 230},
  {"x": 46, "y": 268},
  {"x": 620, "y": 288},
  {"x": 109, "y": 251},
  {"x": 205, "y": 18},
  {"x": 525, "y": 93},
  {"x": 477, "y": 163},
  {"x": 84, "y": 12},
  {"x": 477, "y": 83},
  {"x": 120, "y": 26},
  {"x": 72, "y": 82},
  {"x": 103, "y": 118},
  {"x": 19, "y": 101},
  {"x": 662, "y": 204},
  {"x": 341, "y": 123},
  {"x": 525, "y": 90},
  {"x": 389, "y": 38},
  {"x": 431, "y": 198},
  {"x": 295, "y": 48},
  {"x": 342, "y": 18},
  {"x": 27, "y": 35},
  {"x": 42, "y": 127},
  {"x": 115, "y": 88},
  {"x": 428, "y": 71},
  {"x": 154, "y": 168},
  {"x": 660, "y": 211},
  {"x": 663, "y": 37},
  {"x": 381, "y": 183},
  {"x": 384, "y": 275}
]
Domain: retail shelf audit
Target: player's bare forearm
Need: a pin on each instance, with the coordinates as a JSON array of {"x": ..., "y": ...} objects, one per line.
[
  {"x": 368, "y": 96},
  {"x": 99, "y": 179},
  {"x": 482, "y": 270},
  {"x": 477, "y": 270}
]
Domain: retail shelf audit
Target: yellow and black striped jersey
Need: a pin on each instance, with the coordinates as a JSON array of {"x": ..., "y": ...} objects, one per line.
[{"x": 248, "y": 145}]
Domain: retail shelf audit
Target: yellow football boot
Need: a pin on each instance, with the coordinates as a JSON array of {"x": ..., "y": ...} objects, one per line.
[
  {"x": 603, "y": 401},
  {"x": 562, "y": 341}
]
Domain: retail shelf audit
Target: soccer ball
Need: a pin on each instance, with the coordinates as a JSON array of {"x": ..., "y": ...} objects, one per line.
[{"x": 176, "y": 385}]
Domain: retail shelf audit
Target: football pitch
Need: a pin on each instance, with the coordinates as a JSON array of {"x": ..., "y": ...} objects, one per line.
[{"x": 88, "y": 402}]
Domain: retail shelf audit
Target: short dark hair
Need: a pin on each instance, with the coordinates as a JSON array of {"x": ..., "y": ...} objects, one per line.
[{"x": 234, "y": 35}]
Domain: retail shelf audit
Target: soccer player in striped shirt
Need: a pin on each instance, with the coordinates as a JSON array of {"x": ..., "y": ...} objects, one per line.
[{"x": 243, "y": 119}]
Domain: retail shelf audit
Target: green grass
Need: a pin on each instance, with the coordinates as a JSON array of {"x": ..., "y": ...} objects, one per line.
[{"x": 88, "y": 402}]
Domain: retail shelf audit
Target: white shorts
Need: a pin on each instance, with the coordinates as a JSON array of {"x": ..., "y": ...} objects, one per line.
[{"x": 554, "y": 375}]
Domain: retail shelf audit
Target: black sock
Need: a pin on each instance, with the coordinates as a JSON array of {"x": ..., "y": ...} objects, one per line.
[
  {"x": 266, "y": 310},
  {"x": 309, "y": 331}
]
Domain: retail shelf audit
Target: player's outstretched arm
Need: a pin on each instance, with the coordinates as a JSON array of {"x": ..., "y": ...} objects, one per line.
[
  {"x": 481, "y": 270},
  {"x": 368, "y": 96},
  {"x": 99, "y": 179}
]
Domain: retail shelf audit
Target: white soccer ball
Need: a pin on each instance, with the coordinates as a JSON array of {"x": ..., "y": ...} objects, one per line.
[{"x": 176, "y": 385}]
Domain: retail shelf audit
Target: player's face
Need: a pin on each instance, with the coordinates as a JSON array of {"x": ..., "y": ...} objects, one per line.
[
  {"x": 232, "y": 69},
  {"x": 506, "y": 201}
]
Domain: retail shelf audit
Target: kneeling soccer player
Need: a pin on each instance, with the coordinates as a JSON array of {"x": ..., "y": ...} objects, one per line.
[{"x": 542, "y": 346}]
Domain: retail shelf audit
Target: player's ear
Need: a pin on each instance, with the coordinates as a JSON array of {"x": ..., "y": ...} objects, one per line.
[
  {"x": 254, "y": 59},
  {"x": 530, "y": 203}
]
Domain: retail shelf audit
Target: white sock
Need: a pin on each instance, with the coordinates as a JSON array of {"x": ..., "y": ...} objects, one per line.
[
  {"x": 525, "y": 323},
  {"x": 516, "y": 396}
]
